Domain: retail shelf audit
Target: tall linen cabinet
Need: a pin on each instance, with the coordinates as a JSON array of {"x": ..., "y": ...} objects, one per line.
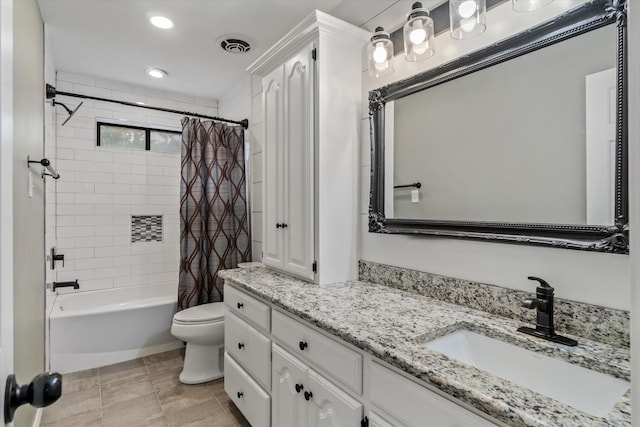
[{"x": 311, "y": 99}]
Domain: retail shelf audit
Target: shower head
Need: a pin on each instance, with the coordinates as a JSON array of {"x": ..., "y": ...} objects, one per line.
[{"x": 71, "y": 113}]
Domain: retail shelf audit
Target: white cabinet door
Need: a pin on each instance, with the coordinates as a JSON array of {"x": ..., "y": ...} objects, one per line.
[
  {"x": 272, "y": 203},
  {"x": 329, "y": 406},
  {"x": 376, "y": 420},
  {"x": 289, "y": 409},
  {"x": 298, "y": 159}
]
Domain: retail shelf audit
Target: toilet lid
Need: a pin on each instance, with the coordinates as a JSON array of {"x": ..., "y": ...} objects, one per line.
[{"x": 201, "y": 313}]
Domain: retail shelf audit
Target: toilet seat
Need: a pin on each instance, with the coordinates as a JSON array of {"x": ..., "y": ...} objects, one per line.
[{"x": 205, "y": 313}]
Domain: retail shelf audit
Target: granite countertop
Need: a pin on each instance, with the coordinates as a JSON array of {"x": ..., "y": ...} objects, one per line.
[{"x": 393, "y": 325}]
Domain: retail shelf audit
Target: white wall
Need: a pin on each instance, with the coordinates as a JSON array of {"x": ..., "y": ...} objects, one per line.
[
  {"x": 101, "y": 188},
  {"x": 596, "y": 278}
]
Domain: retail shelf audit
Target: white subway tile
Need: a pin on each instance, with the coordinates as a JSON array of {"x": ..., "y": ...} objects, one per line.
[
  {"x": 147, "y": 210},
  {"x": 113, "y": 188},
  {"x": 123, "y": 88},
  {"x": 93, "y": 242},
  {"x": 207, "y": 102},
  {"x": 113, "y": 209},
  {"x": 75, "y": 254},
  {"x": 128, "y": 199},
  {"x": 99, "y": 155},
  {"x": 65, "y": 243},
  {"x": 64, "y": 221},
  {"x": 256, "y": 197},
  {"x": 122, "y": 240},
  {"x": 92, "y": 90},
  {"x": 140, "y": 280},
  {"x": 115, "y": 167},
  {"x": 96, "y": 177},
  {"x": 129, "y": 260},
  {"x": 141, "y": 248},
  {"x": 112, "y": 251},
  {"x": 66, "y": 276},
  {"x": 121, "y": 219},
  {"x": 75, "y": 231},
  {"x": 102, "y": 273},
  {"x": 63, "y": 76},
  {"x": 64, "y": 199},
  {"x": 64, "y": 153},
  {"x": 75, "y": 209},
  {"x": 256, "y": 171},
  {"x": 74, "y": 187},
  {"x": 83, "y": 264},
  {"x": 169, "y": 277},
  {"x": 147, "y": 189},
  {"x": 256, "y": 250},
  {"x": 166, "y": 180},
  {"x": 129, "y": 179},
  {"x": 172, "y": 190},
  {"x": 112, "y": 230},
  {"x": 96, "y": 285},
  {"x": 92, "y": 199},
  {"x": 147, "y": 268}
]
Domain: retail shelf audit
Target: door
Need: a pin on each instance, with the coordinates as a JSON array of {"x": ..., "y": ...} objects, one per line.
[
  {"x": 298, "y": 182},
  {"x": 273, "y": 217},
  {"x": 601, "y": 146},
  {"x": 329, "y": 406},
  {"x": 6, "y": 193},
  {"x": 289, "y": 409}
]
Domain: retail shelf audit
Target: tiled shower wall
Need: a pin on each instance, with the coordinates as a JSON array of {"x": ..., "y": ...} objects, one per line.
[
  {"x": 101, "y": 188},
  {"x": 244, "y": 101}
]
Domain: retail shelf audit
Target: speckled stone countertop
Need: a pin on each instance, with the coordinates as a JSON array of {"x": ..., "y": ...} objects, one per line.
[{"x": 393, "y": 325}]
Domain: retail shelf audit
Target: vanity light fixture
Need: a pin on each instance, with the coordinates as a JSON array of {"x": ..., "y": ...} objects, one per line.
[
  {"x": 467, "y": 18},
  {"x": 161, "y": 22},
  {"x": 156, "y": 73},
  {"x": 528, "y": 5},
  {"x": 418, "y": 34},
  {"x": 380, "y": 53}
]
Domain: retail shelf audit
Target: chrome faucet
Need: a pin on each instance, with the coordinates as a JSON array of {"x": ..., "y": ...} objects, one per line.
[{"x": 544, "y": 317}]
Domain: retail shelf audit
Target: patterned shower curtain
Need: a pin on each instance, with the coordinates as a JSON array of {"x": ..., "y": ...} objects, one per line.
[{"x": 214, "y": 229}]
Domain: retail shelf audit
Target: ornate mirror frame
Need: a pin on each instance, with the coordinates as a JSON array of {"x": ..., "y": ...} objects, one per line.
[{"x": 602, "y": 238}]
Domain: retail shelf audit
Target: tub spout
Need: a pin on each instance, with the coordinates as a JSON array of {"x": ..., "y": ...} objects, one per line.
[{"x": 75, "y": 285}]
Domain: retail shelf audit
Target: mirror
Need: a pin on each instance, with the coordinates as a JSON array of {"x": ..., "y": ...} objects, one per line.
[{"x": 523, "y": 141}]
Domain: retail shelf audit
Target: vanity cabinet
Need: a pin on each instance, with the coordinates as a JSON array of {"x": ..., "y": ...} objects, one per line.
[
  {"x": 311, "y": 99},
  {"x": 303, "y": 397},
  {"x": 301, "y": 376}
]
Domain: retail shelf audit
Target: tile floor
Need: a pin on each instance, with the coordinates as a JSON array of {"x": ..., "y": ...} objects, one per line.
[{"x": 141, "y": 392}]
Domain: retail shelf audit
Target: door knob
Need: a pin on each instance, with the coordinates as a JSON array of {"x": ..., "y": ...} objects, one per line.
[{"x": 43, "y": 390}]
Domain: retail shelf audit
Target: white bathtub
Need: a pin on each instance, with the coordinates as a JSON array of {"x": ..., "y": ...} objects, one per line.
[{"x": 97, "y": 328}]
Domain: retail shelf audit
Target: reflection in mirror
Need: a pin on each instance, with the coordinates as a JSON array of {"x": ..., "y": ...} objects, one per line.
[
  {"x": 523, "y": 141},
  {"x": 512, "y": 143}
]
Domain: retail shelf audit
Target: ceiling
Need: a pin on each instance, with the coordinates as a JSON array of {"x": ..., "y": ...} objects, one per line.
[{"x": 113, "y": 39}]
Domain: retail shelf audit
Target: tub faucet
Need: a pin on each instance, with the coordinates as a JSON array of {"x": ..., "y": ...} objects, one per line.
[
  {"x": 75, "y": 285},
  {"x": 543, "y": 303}
]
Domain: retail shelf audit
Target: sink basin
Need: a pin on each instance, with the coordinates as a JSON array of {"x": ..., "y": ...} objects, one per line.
[{"x": 589, "y": 391}]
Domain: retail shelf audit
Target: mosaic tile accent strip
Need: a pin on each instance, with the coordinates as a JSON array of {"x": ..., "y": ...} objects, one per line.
[
  {"x": 603, "y": 324},
  {"x": 146, "y": 228}
]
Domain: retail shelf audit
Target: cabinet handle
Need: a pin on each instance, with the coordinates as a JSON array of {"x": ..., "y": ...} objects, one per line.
[
  {"x": 278, "y": 225},
  {"x": 299, "y": 388},
  {"x": 240, "y": 305},
  {"x": 302, "y": 345},
  {"x": 307, "y": 395},
  {"x": 284, "y": 225},
  {"x": 240, "y": 345},
  {"x": 240, "y": 394}
]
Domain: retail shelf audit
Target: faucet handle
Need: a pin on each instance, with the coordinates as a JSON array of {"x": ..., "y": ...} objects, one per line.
[
  {"x": 544, "y": 289},
  {"x": 543, "y": 282}
]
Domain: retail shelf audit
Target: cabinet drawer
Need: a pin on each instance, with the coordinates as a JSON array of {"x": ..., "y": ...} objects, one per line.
[
  {"x": 412, "y": 404},
  {"x": 343, "y": 364},
  {"x": 248, "y": 396},
  {"x": 249, "y": 348},
  {"x": 248, "y": 308}
]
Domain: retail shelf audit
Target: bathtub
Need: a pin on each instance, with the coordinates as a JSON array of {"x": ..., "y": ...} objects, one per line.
[{"x": 98, "y": 328}]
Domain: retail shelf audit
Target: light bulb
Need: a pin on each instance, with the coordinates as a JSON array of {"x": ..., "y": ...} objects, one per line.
[
  {"x": 379, "y": 54},
  {"x": 468, "y": 25},
  {"x": 418, "y": 34},
  {"x": 467, "y": 9}
]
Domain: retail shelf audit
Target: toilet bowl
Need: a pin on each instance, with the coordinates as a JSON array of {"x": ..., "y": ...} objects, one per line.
[{"x": 202, "y": 328}]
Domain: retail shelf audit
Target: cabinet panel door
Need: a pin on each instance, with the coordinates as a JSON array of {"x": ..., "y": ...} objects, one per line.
[
  {"x": 273, "y": 216},
  {"x": 376, "y": 420},
  {"x": 289, "y": 409},
  {"x": 329, "y": 406},
  {"x": 298, "y": 182},
  {"x": 246, "y": 394}
]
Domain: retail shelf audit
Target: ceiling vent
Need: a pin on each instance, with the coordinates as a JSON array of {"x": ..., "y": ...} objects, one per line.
[{"x": 234, "y": 45}]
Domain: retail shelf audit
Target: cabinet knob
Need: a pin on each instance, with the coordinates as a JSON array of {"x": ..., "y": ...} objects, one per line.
[
  {"x": 240, "y": 394},
  {"x": 240, "y": 305},
  {"x": 240, "y": 345},
  {"x": 278, "y": 225},
  {"x": 302, "y": 345},
  {"x": 307, "y": 395},
  {"x": 284, "y": 225},
  {"x": 299, "y": 388}
]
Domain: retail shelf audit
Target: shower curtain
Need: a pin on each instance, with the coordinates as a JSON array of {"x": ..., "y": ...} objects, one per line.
[{"x": 214, "y": 229}]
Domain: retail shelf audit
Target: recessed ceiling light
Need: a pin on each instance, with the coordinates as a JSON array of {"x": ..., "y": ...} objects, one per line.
[
  {"x": 156, "y": 73},
  {"x": 161, "y": 22}
]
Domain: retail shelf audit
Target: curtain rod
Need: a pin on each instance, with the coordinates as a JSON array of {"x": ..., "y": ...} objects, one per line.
[{"x": 52, "y": 92}]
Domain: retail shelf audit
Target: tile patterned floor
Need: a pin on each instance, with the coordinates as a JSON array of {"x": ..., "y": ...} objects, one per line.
[{"x": 141, "y": 392}]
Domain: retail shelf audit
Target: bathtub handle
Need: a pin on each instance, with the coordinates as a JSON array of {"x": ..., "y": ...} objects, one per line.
[
  {"x": 240, "y": 345},
  {"x": 240, "y": 305}
]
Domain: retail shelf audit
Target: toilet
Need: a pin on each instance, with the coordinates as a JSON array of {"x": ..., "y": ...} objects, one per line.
[{"x": 202, "y": 328}]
